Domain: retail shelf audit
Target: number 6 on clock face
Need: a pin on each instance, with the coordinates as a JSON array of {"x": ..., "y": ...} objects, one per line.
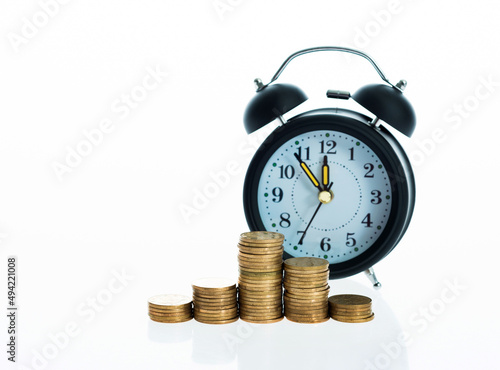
[{"x": 336, "y": 187}]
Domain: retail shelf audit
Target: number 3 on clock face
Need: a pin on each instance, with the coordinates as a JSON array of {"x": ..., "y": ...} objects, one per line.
[{"x": 336, "y": 189}]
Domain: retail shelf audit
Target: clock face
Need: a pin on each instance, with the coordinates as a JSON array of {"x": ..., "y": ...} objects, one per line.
[
  {"x": 335, "y": 187},
  {"x": 354, "y": 211}
]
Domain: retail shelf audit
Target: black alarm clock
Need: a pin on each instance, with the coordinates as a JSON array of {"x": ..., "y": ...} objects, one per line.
[{"x": 333, "y": 181}]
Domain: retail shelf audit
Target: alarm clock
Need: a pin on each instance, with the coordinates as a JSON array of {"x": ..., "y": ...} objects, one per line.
[{"x": 335, "y": 182}]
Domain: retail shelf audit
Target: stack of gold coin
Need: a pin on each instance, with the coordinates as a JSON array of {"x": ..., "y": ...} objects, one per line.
[
  {"x": 215, "y": 301},
  {"x": 306, "y": 289},
  {"x": 170, "y": 308},
  {"x": 350, "y": 308},
  {"x": 260, "y": 280}
]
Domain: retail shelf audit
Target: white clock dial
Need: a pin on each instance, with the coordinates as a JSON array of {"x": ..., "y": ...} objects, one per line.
[{"x": 342, "y": 228}]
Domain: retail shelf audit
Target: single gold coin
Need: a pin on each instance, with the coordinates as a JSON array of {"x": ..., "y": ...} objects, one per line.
[
  {"x": 306, "y": 263},
  {"x": 259, "y": 301},
  {"x": 351, "y": 320},
  {"x": 351, "y": 317},
  {"x": 207, "y": 301},
  {"x": 180, "y": 311},
  {"x": 217, "y": 322},
  {"x": 261, "y": 237},
  {"x": 307, "y": 321},
  {"x": 261, "y": 274},
  {"x": 324, "y": 276},
  {"x": 302, "y": 290},
  {"x": 171, "y": 320},
  {"x": 226, "y": 294},
  {"x": 365, "y": 312},
  {"x": 269, "y": 321},
  {"x": 214, "y": 284},
  {"x": 260, "y": 317},
  {"x": 305, "y": 273},
  {"x": 261, "y": 250},
  {"x": 350, "y": 301},
  {"x": 169, "y": 300},
  {"x": 277, "y": 268}
]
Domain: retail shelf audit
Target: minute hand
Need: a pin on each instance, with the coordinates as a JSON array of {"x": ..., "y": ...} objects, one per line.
[
  {"x": 308, "y": 172},
  {"x": 314, "y": 215}
]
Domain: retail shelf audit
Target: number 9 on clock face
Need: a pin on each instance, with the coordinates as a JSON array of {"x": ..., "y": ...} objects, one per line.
[{"x": 336, "y": 187}]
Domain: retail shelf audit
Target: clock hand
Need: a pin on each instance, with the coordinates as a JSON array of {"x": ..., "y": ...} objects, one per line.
[
  {"x": 308, "y": 172},
  {"x": 326, "y": 172},
  {"x": 314, "y": 215}
]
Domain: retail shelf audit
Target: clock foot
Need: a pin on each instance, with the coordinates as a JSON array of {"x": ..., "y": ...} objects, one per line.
[{"x": 370, "y": 274}]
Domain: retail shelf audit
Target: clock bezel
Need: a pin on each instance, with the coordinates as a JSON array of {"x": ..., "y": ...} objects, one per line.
[{"x": 385, "y": 147}]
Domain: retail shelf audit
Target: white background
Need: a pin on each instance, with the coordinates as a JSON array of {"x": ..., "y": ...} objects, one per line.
[{"x": 116, "y": 212}]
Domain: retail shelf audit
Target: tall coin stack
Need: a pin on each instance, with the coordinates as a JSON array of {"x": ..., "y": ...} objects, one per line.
[
  {"x": 261, "y": 274},
  {"x": 306, "y": 289},
  {"x": 170, "y": 308},
  {"x": 351, "y": 308},
  {"x": 215, "y": 301}
]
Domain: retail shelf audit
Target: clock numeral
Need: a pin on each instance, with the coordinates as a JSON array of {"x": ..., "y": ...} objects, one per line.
[
  {"x": 285, "y": 220},
  {"x": 367, "y": 220},
  {"x": 278, "y": 193},
  {"x": 351, "y": 157},
  {"x": 369, "y": 167},
  {"x": 350, "y": 241},
  {"x": 324, "y": 245},
  {"x": 306, "y": 150},
  {"x": 287, "y": 172},
  {"x": 377, "y": 197},
  {"x": 329, "y": 144}
]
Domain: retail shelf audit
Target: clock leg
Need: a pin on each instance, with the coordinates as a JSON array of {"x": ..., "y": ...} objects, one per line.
[{"x": 370, "y": 274}]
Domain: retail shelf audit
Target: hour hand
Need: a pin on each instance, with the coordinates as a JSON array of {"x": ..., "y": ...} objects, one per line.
[{"x": 308, "y": 172}]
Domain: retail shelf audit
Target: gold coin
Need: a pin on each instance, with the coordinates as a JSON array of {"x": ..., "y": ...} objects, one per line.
[
  {"x": 166, "y": 319},
  {"x": 261, "y": 237},
  {"x": 215, "y": 316},
  {"x": 261, "y": 317},
  {"x": 305, "y": 291},
  {"x": 204, "y": 309},
  {"x": 173, "y": 312},
  {"x": 169, "y": 300},
  {"x": 308, "y": 294},
  {"x": 306, "y": 278},
  {"x": 207, "y": 295},
  {"x": 354, "y": 317},
  {"x": 267, "y": 256},
  {"x": 258, "y": 279},
  {"x": 260, "y": 302},
  {"x": 306, "y": 273},
  {"x": 260, "y": 269},
  {"x": 217, "y": 322},
  {"x": 201, "y": 300},
  {"x": 171, "y": 308},
  {"x": 262, "y": 250},
  {"x": 349, "y": 300},
  {"x": 261, "y": 274},
  {"x": 350, "y": 320},
  {"x": 306, "y": 263},
  {"x": 365, "y": 312},
  {"x": 209, "y": 284},
  {"x": 270, "y": 321},
  {"x": 307, "y": 321}
]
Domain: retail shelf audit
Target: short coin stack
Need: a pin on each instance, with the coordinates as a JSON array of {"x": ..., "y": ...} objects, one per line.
[
  {"x": 261, "y": 274},
  {"x": 215, "y": 301},
  {"x": 306, "y": 289},
  {"x": 170, "y": 308},
  {"x": 350, "y": 308}
]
